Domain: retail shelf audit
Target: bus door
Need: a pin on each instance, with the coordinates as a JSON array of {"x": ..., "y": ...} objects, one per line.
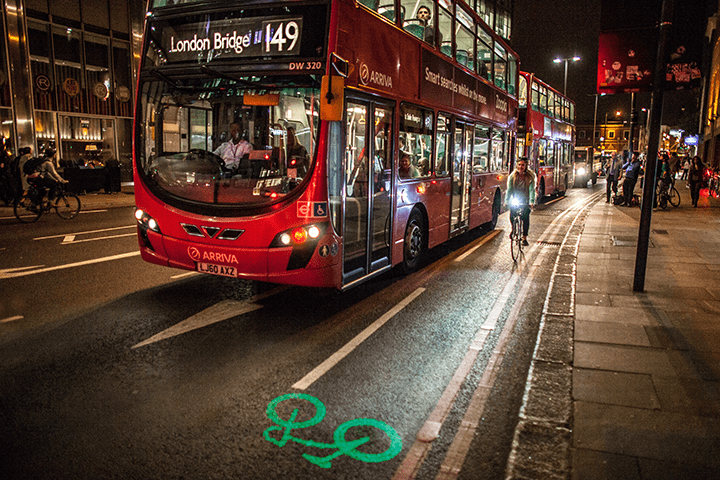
[
  {"x": 367, "y": 175},
  {"x": 460, "y": 204}
]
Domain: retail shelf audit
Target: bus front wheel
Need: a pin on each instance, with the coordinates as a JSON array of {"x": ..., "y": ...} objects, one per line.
[{"x": 414, "y": 244}]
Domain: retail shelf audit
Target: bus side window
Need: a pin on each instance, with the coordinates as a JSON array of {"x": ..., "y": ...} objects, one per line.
[
  {"x": 442, "y": 146},
  {"x": 481, "y": 149}
]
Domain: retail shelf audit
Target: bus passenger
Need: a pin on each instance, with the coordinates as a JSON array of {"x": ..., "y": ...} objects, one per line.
[
  {"x": 407, "y": 169},
  {"x": 424, "y": 14},
  {"x": 234, "y": 149}
]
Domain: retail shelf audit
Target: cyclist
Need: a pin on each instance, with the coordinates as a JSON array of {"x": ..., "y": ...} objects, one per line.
[
  {"x": 46, "y": 176},
  {"x": 521, "y": 184}
]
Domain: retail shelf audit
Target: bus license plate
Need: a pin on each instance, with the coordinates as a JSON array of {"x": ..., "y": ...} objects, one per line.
[{"x": 223, "y": 270}]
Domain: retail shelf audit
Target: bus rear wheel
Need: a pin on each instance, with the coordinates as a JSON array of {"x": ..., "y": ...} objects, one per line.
[{"x": 414, "y": 245}]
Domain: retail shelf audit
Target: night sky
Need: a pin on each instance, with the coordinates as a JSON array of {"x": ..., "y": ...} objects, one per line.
[{"x": 547, "y": 29}]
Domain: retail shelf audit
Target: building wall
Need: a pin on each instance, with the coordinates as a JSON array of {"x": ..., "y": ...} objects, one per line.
[{"x": 69, "y": 70}]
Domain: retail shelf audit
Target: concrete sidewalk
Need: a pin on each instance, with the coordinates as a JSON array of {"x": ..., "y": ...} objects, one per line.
[{"x": 646, "y": 370}]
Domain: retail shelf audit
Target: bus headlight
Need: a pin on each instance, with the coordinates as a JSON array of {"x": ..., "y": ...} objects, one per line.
[{"x": 146, "y": 221}]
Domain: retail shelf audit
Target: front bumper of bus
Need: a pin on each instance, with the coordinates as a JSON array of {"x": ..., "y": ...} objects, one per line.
[{"x": 286, "y": 265}]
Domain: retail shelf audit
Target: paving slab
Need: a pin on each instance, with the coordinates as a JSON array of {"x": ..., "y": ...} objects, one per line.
[
  {"x": 616, "y": 388},
  {"x": 613, "y": 333},
  {"x": 631, "y": 359},
  {"x": 644, "y": 433}
]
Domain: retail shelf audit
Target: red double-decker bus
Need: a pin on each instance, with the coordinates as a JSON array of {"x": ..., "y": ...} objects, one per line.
[
  {"x": 546, "y": 134},
  {"x": 317, "y": 143}
]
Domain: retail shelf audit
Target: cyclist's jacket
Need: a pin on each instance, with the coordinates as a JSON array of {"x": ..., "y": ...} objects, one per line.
[
  {"x": 522, "y": 186},
  {"x": 47, "y": 170}
]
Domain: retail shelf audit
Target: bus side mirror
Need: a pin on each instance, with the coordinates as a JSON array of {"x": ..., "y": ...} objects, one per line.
[{"x": 332, "y": 99}]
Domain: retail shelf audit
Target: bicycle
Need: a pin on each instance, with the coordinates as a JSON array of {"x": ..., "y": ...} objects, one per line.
[
  {"x": 34, "y": 203},
  {"x": 516, "y": 238},
  {"x": 667, "y": 193}
]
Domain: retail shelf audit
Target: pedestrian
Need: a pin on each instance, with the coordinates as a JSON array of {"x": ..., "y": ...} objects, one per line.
[
  {"x": 613, "y": 173},
  {"x": 674, "y": 166},
  {"x": 695, "y": 177},
  {"x": 686, "y": 167},
  {"x": 25, "y": 155},
  {"x": 632, "y": 171}
]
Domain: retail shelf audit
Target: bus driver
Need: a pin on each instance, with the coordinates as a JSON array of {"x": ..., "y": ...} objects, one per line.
[{"x": 234, "y": 149}]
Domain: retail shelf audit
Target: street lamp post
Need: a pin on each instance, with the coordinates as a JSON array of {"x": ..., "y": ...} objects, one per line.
[{"x": 566, "y": 60}]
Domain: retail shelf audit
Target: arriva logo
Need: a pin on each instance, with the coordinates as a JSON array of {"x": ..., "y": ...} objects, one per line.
[
  {"x": 368, "y": 77},
  {"x": 197, "y": 256}
]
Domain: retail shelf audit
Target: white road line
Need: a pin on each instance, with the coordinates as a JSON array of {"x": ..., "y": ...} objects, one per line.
[
  {"x": 72, "y": 238},
  {"x": 85, "y": 233},
  {"x": 13, "y": 273},
  {"x": 183, "y": 275},
  {"x": 11, "y": 319},
  {"x": 335, "y": 358},
  {"x": 487, "y": 238},
  {"x": 216, "y": 313},
  {"x": 418, "y": 452}
]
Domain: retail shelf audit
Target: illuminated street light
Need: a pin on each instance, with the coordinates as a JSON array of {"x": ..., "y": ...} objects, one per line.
[{"x": 566, "y": 60}]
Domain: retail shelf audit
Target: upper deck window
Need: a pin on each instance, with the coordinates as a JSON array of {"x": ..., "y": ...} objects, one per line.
[{"x": 465, "y": 39}]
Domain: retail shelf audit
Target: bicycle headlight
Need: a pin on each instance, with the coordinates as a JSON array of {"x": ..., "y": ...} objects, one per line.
[
  {"x": 581, "y": 171},
  {"x": 515, "y": 202}
]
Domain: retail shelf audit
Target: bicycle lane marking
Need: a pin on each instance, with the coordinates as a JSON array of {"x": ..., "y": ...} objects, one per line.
[
  {"x": 430, "y": 430},
  {"x": 335, "y": 358}
]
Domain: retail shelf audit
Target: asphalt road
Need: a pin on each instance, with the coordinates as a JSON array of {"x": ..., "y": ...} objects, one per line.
[{"x": 114, "y": 368}]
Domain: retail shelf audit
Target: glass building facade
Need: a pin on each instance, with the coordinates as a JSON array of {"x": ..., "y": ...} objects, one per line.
[{"x": 68, "y": 78}]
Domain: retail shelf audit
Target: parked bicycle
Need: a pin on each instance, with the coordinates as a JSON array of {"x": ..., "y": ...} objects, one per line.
[
  {"x": 667, "y": 193},
  {"x": 35, "y": 202},
  {"x": 516, "y": 237}
]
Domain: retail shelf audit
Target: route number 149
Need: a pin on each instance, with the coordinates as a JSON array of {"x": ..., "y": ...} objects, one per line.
[{"x": 277, "y": 35}]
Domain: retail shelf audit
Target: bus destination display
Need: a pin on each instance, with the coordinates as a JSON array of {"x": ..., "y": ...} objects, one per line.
[{"x": 235, "y": 38}]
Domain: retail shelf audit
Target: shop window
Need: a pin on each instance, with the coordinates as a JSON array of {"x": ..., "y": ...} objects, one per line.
[
  {"x": 5, "y": 85},
  {"x": 119, "y": 19},
  {"x": 7, "y": 135},
  {"x": 95, "y": 16},
  {"x": 97, "y": 68},
  {"x": 40, "y": 66},
  {"x": 122, "y": 91},
  {"x": 86, "y": 141},
  {"x": 69, "y": 79},
  {"x": 44, "y": 132}
]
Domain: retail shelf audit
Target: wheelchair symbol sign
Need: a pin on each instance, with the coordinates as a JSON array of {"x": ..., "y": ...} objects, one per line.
[{"x": 312, "y": 209}]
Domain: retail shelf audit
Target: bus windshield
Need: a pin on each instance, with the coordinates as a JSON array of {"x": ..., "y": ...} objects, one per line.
[{"x": 223, "y": 143}]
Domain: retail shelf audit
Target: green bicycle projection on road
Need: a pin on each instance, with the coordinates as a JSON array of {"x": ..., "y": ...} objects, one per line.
[{"x": 343, "y": 446}]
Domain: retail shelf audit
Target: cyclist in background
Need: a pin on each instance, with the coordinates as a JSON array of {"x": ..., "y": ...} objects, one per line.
[
  {"x": 46, "y": 176},
  {"x": 521, "y": 184}
]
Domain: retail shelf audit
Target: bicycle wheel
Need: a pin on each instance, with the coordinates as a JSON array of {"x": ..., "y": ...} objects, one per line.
[
  {"x": 516, "y": 240},
  {"x": 26, "y": 211},
  {"x": 67, "y": 206},
  {"x": 674, "y": 197}
]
